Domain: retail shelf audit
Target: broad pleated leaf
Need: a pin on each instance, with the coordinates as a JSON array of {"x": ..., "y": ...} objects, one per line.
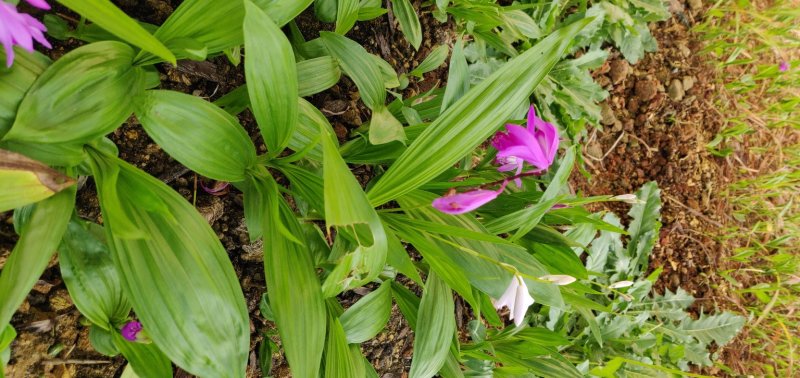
[
  {"x": 39, "y": 238},
  {"x": 357, "y": 63},
  {"x": 435, "y": 58},
  {"x": 174, "y": 271},
  {"x": 146, "y": 359},
  {"x": 325, "y": 10},
  {"x": 458, "y": 77},
  {"x": 367, "y": 317},
  {"x": 311, "y": 121},
  {"x": 347, "y": 207},
  {"x": 340, "y": 359},
  {"x": 293, "y": 287},
  {"x": 197, "y": 133},
  {"x": 82, "y": 96},
  {"x": 409, "y": 22},
  {"x": 473, "y": 118},
  {"x": 436, "y": 325},
  {"x": 109, "y": 17},
  {"x": 346, "y": 15},
  {"x": 24, "y": 181},
  {"x": 363, "y": 68},
  {"x": 218, "y": 23},
  {"x": 15, "y": 82},
  {"x": 91, "y": 278},
  {"x": 271, "y": 78}
]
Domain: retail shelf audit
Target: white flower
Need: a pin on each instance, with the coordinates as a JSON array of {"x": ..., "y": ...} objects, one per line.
[
  {"x": 559, "y": 279},
  {"x": 516, "y": 298},
  {"x": 620, "y": 284},
  {"x": 628, "y": 198}
]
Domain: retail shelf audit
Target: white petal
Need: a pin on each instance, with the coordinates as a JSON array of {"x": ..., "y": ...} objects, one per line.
[
  {"x": 559, "y": 279},
  {"x": 522, "y": 301},
  {"x": 629, "y": 198},
  {"x": 507, "y": 300},
  {"x": 617, "y": 285}
]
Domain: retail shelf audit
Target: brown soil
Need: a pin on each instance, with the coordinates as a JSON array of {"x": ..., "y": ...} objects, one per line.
[{"x": 649, "y": 135}]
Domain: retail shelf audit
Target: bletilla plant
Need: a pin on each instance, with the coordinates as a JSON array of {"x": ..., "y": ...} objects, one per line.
[
  {"x": 322, "y": 233},
  {"x": 20, "y": 29}
]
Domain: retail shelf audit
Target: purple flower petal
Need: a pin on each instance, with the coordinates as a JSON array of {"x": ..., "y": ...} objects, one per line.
[
  {"x": 464, "y": 202},
  {"x": 19, "y": 29},
  {"x": 41, "y": 4},
  {"x": 131, "y": 330},
  {"x": 783, "y": 66},
  {"x": 536, "y": 144}
]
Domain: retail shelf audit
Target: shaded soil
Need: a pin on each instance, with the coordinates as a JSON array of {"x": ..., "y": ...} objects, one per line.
[{"x": 649, "y": 134}]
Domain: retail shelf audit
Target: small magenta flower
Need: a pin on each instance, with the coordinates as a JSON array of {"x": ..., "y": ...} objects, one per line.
[
  {"x": 20, "y": 29},
  {"x": 783, "y": 66},
  {"x": 130, "y": 331},
  {"x": 516, "y": 298},
  {"x": 537, "y": 145},
  {"x": 465, "y": 202}
]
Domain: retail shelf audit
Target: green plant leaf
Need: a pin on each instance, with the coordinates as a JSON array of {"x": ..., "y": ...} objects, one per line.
[
  {"x": 15, "y": 82},
  {"x": 197, "y": 133},
  {"x": 435, "y": 328},
  {"x": 347, "y": 207},
  {"x": 644, "y": 225},
  {"x": 91, "y": 278},
  {"x": 720, "y": 328},
  {"x": 39, "y": 238},
  {"x": 325, "y": 10},
  {"x": 435, "y": 58},
  {"x": 218, "y": 23},
  {"x": 109, "y": 17},
  {"x": 473, "y": 118},
  {"x": 409, "y": 22},
  {"x": 317, "y": 74},
  {"x": 80, "y": 97},
  {"x": 367, "y": 317},
  {"x": 311, "y": 121},
  {"x": 103, "y": 341},
  {"x": 198, "y": 317},
  {"x": 292, "y": 287},
  {"x": 340, "y": 359},
  {"x": 358, "y": 64},
  {"x": 146, "y": 359},
  {"x": 346, "y": 15},
  {"x": 271, "y": 75},
  {"x": 24, "y": 181},
  {"x": 365, "y": 70}
]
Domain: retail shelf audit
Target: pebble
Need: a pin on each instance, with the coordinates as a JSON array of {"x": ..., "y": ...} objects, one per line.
[
  {"x": 675, "y": 90},
  {"x": 619, "y": 70},
  {"x": 688, "y": 82},
  {"x": 607, "y": 116},
  {"x": 696, "y": 4},
  {"x": 645, "y": 89}
]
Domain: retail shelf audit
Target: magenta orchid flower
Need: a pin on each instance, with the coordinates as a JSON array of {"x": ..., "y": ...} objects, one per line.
[
  {"x": 516, "y": 298},
  {"x": 783, "y": 66},
  {"x": 130, "y": 331},
  {"x": 465, "y": 202},
  {"x": 535, "y": 144},
  {"x": 20, "y": 29}
]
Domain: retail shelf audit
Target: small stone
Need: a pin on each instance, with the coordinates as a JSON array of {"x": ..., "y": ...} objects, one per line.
[
  {"x": 607, "y": 116},
  {"x": 60, "y": 301},
  {"x": 645, "y": 89},
  {"x": 619, "y": 70},
  {"x": 617, "y": 127},
  {"x": 688, "y": 82},
  {"x": 696, "y": 4},
  {"x": 676, "y": 91}
]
